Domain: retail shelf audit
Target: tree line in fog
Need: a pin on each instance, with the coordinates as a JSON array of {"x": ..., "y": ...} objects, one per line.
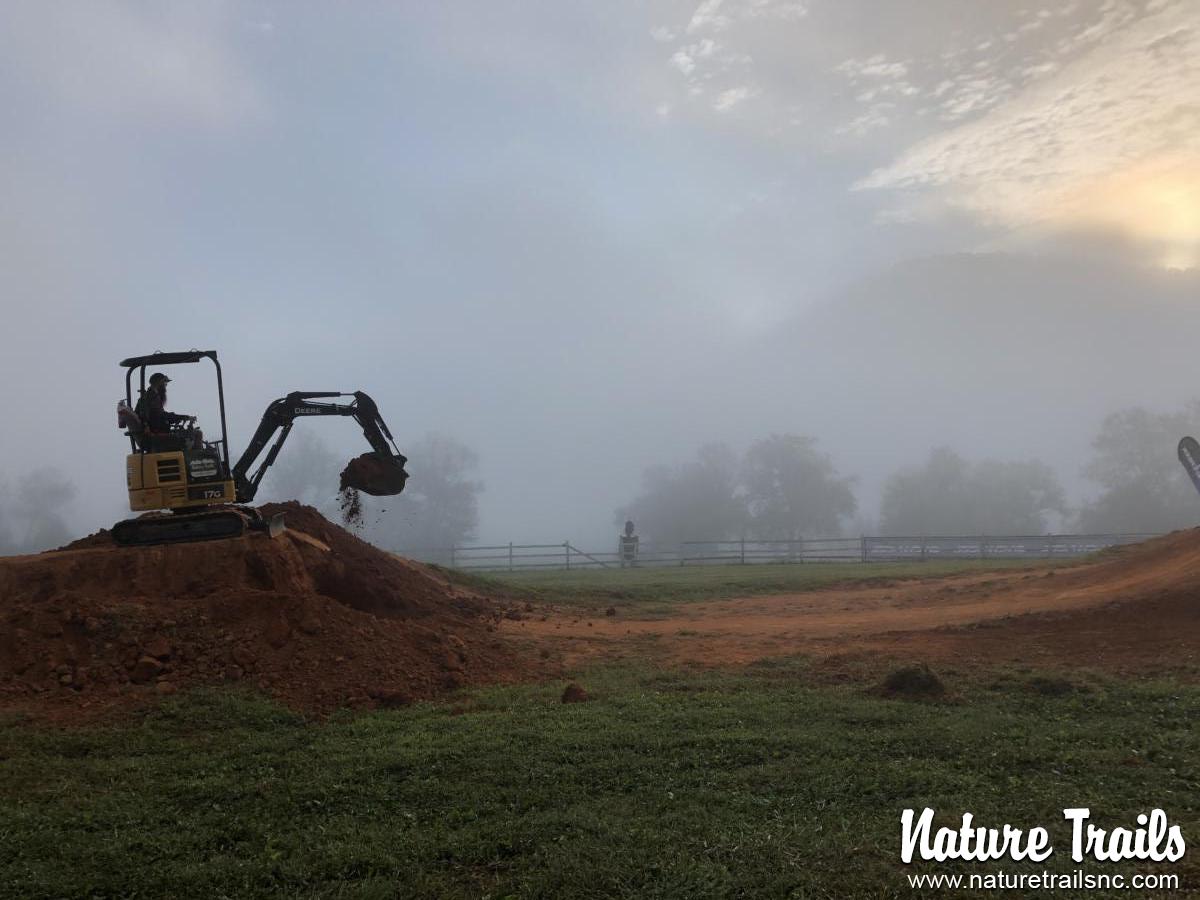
[{"x": 783, "y": 487}]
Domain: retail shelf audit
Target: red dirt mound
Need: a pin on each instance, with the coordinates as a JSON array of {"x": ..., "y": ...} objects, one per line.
[{"x": 316, "y": 617}]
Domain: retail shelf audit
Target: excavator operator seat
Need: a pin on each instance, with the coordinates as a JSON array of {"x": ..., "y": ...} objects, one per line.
[{"x": 132, "y": 423}]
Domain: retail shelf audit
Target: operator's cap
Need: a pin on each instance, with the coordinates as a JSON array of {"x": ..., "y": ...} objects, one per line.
[{"x": 158, "y": 376}]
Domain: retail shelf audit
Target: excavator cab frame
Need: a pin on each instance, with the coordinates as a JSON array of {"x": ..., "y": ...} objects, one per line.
[
  {"x": 159, "y": 359},
  {"x": 184, "y": 476}
]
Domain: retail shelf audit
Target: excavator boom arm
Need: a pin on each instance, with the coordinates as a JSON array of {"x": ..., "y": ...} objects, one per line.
[{"x": 280, "y": 416}]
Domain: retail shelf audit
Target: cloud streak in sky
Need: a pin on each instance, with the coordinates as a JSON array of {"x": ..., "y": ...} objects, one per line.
[
  {"x": 1109, "y": 140},
  {"x": 710, "y": 50}
]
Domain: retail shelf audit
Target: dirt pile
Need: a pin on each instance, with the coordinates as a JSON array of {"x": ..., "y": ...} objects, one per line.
[{"x": 315, "y": 617}]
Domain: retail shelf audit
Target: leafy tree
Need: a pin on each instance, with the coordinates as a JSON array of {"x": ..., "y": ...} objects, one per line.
[
  {"x": 696, "y": 501},
  {"x": 440, "y": 505},
  {"x": 1143, "y": 487},
  {"x": 929, "y": 499},
  {"x": 949, "y": 495},
  {"x": 793, "y": 490},
  {"x": 1016, "y": 497}
]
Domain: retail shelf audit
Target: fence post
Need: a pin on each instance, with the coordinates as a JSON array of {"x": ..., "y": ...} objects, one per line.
[
  {"x": 862, "y": 541},
  {"x": 510, "y": 561},
  {"x": 983, "y": 546},
  {"x": 567, "y": 550},
  {"x": 923, "y": 548},
  {"x": 800, "y": 550},
  {"x": 743, "y": 550}
]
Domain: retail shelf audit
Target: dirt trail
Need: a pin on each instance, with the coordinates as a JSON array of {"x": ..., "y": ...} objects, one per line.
[
  {"x": 315, "y": 617},
  {"x": 1136, "y": 608}
]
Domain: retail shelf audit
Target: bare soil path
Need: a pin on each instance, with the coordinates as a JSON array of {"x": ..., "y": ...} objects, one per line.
[{"x": 1137, "y": 608}]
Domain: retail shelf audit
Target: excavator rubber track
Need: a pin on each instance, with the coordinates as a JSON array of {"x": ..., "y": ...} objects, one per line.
[{"x": 185, "y": 527}]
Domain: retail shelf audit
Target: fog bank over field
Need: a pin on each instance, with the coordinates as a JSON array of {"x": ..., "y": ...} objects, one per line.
[
  {"x": 577, "y": 241},
  {"x": 999, "y": 356}
]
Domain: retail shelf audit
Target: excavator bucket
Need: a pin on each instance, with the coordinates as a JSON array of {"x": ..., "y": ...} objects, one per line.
[{"x": 375, "y": 474}]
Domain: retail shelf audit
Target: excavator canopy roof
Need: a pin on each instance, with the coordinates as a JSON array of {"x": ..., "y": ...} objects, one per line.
[{"x": 169, "y": 359}]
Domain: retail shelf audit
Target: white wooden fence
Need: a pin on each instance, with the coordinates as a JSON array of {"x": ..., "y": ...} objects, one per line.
[{"x": 513, "y": 557}]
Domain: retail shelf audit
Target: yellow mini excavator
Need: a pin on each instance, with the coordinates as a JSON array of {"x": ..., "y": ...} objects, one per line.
[{"x": 174, "y": 468}]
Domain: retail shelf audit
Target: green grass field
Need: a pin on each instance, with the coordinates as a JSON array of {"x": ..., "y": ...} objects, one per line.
[{"x": 668, "y": 784}]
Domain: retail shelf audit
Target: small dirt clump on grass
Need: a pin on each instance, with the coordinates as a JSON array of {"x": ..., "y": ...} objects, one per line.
[
  {"x": 913, "y": 683},
  {"x": 1050, "y": 687},
  {"x": 575, "y": 694}
]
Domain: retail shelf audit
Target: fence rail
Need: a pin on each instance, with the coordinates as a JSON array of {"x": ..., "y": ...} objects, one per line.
[{"x": 865, "y": 549}]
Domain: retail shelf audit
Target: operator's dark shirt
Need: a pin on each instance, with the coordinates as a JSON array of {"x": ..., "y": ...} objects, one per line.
[{"x": 154, "y": 417}]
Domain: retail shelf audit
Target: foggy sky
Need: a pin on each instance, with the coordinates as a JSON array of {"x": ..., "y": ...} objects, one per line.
[{"x": 585, "y": 238}]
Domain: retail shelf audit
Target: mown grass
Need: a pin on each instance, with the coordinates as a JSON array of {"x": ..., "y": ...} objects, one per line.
[
  {"x": 667, "y": 585},
  {"x": 669, "y": 784}
]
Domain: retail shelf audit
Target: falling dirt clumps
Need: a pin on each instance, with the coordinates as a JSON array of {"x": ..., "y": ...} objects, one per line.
[
  {"x": 350, "y": 504},
  {"x": 371, "y": 474},
  {"x": 316, "y": 617}
]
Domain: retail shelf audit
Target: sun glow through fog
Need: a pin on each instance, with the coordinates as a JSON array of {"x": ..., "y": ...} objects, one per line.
[
  {"x": 1104, "y": 143},
  {"x": 1157, "y": 205}
]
